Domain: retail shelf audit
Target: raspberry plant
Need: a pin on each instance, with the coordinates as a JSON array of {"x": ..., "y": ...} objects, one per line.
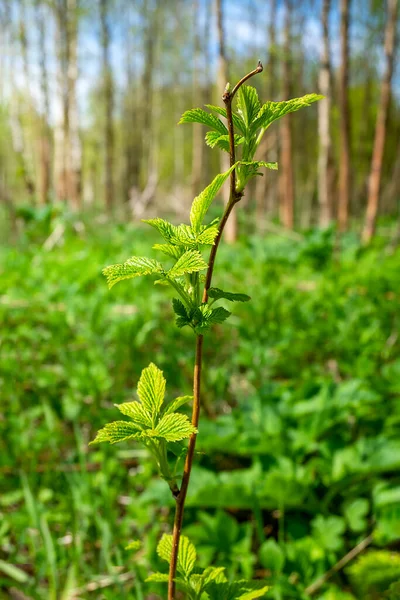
[{"x": 168, "y": 434}]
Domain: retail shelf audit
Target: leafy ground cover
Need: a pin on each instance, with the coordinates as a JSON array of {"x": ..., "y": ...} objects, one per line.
[{"x": 301, "y": 432}]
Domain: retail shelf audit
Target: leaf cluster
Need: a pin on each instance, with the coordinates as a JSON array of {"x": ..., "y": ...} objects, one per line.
[
  {"x": 152, "y": 420},
  {"x": 211, "y": 583},
  {"x": 251, "y": 119}
]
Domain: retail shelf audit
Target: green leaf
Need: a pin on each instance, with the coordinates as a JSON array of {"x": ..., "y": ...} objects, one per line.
[
  {"x": 157, "y": 578},
  {"x": 248, "y": 103},
  {"x": 237, "y": 120},
  {"x": 198, "y": 115},
  {"x": 254, "y": 594},
  {"x": 174, "y": 427},
  {"x": 190, "y": 262},
  {"x": 151, "y": 388},
  {"x": 215, "y": 139},
  {"x": 180, "y": 310},
  {"x": 356, "y": 513},
  {"x": 166, "y": 229},
  {"x": 272, "y": 556},
  {"x": 272, "y": 111},
  {"x": 133, "y": 267},
  {"x": 13, "y": 572},
  {"x": 219, "y": 315},
  {"x": 207, "y": 237},
  {"x": 202, "y": 203},
  {"x": 170, "y": 250},
  {"x": 186, "y": 554},
  {"x": 217, "y": 294},
  {"x": 137, "y": 412},
  {"x": 328, "y": 532},
  {"x": 135, "y": 545},
  {"x": 118, "y": 431},
  {"x": 177, "y": 403},
  {"x": 260, "y": 163}
]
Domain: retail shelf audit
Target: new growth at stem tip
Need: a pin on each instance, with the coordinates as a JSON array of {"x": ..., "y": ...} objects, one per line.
[{"x": 228, "y": 94}]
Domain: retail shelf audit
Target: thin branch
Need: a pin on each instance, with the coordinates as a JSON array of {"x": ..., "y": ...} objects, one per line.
[
  {"x": 318, "y": 583},
  {"x": 180, "y": 498}
]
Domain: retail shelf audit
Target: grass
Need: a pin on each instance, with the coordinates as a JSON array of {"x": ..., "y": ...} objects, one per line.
[{"x": 309, "y": 408}]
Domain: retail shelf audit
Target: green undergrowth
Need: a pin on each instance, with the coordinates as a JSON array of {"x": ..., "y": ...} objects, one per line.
[{"x": 299, "y": 452}]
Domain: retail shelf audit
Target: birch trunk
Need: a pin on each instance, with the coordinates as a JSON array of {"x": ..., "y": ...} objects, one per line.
[
  {"x": 286, "y": 204},
  {"x": 325, "y": 142},
  {"x": 344, "y": 164},
  {"x": 381, "y": 123}
]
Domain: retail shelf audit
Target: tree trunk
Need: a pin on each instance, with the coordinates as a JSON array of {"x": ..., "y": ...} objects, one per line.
[
  {"x": 45, "y": 142},
  {"x": 108, "y": 109},
  {"x": 381, "y": 124},
  {"x": 325, "y": 143},
  {"x": 198, "y": 145},
  {"x": 266, "y": 186},
  {"x": 286, "y": 204},
  {"x": 344, "y": 164},
  {"x": 74, "y": 149},
  {"x": 231, "y": 227}
]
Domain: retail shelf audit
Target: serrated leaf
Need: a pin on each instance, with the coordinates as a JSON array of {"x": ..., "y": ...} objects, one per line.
[
  {"x": 186, "y": 554},
  {"x": 254, "y": 594},
  {"x": 180, "y": 310},
  {"x": 207, "y": 237},
  {"x": 215, "y": 139},
  {"x": 133, "y": 267},
  {"x": 175, "y": 427},
  {"x": 135, "y": 545},
  {"x": 198, "y": 115},
  {"x": 260, "y": 163},
  {"x": 272, "y": 111},
  {"x": 203, "y": 201},
  {"x": 248, "y": 103},
  {"x": 237, "y": 590},
  {"x": 170, "y": 250},
  {"x": 214, "y": 574},
  {"x": 237, "y": 120},
  {"x": 137, "y": 412},
  {"x": 217, "y": 294},
  {"x": 166, "y": 229},
  {"x": 157, "y": 578},
  {"x": 219, "y": 315},
  {"x": 177, "y": 403},
  {"x": 190, "y": 262},
  {"x": 151, "y": 388},
  {"x": 118, "y": 431}
]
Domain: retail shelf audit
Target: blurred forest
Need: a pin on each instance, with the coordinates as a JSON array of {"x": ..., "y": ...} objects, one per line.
[{"x": 91, "y": 91}]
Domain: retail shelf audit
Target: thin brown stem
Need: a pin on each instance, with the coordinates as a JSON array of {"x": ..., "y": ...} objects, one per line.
[
  {"x": 314, "y": 587},
  {"x": 180, "y": 497}
]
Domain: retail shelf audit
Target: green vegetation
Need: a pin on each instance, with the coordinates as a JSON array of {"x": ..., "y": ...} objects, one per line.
[
  {"x": 153, "y": 421},
  {"x": 298, "y": 454}
]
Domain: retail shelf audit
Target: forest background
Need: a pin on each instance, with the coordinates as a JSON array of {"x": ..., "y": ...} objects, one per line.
[{"x": 299, "y": 479}]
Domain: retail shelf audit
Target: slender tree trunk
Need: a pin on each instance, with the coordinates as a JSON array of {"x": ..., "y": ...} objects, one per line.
[
  {"x": 108, "y": 109},
  {"x": 45, "y": 130},
  {"x": 17, "y": 137},
  {"x": 61, "y": 129},
  {"x": 344, "y": 164},
  {"x": 381, "y": 123},
  {"x": 151, "y": 35},
  {"x": 198, "y": 145},
  {"x": 223, "y": 78},
  {"x": 286, "y": 204},
  {"x": 74, "y": 149},
  {"x": 22, "y": 136},
  {"x": 325, "y": 143},
  {"x": 265, "y": 188}
]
